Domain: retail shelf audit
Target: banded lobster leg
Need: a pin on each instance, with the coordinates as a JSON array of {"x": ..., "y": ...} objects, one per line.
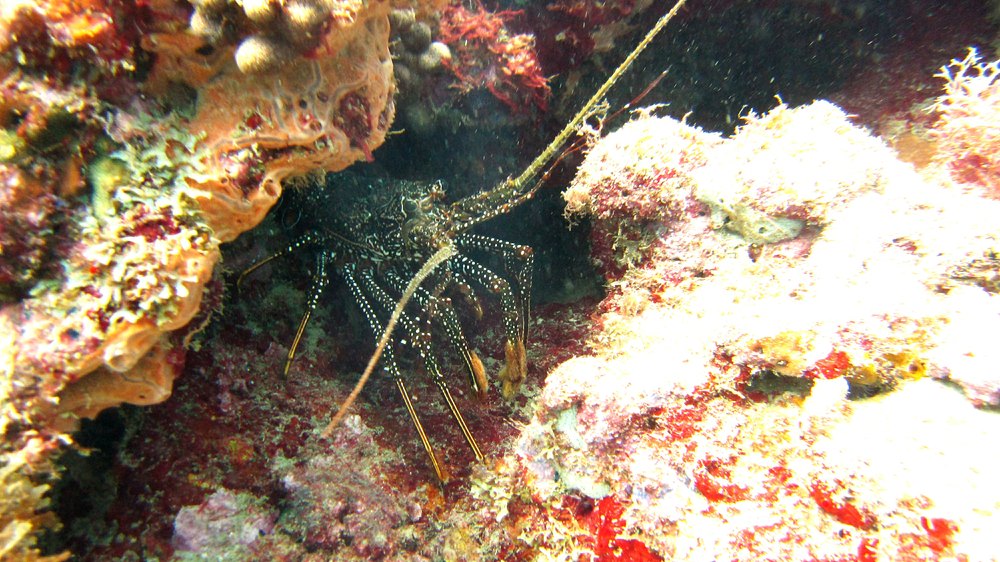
[
  {"x": 468, "y": 294},
  {"x": 421, "y": 341},
  {"x": 516, "y": 361},
  {"x": 308, "y": 240},
  {"x": 390, "y": 366},
  {"x": 320, "y": 279},
  {"x": 441, "y": 309}
]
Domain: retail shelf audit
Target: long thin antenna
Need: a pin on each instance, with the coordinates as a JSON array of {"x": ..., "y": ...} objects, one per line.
[
  {"x": 435, "y": 260},
  {"x": 588, "y": 107},
  {"x": 514, "y": 191}
]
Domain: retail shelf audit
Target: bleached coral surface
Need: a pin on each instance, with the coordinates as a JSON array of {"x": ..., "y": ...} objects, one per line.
[{"x": 789, "y": 397}]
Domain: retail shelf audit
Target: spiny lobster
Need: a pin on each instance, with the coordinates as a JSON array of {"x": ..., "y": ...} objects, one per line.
[{"x": 393, "y": 242}]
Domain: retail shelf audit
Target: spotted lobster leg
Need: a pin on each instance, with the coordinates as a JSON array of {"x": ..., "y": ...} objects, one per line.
[
  {"x": 390, "y": 366},
  {"x": 442, "y": 310},
  {"x": 518, "y": 258},
  {"x": 516, "y": 364},
  {"x": 309, "y": 240},
  {"x": 421, "y": 341},
  {"x": 320, "y": 280}
]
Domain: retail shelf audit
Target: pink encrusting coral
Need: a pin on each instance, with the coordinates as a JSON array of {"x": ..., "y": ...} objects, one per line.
[{"x": 636, "y": 183}]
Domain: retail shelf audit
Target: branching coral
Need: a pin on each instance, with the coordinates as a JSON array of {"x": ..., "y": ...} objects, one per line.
[{"x": 967, "y": 129}]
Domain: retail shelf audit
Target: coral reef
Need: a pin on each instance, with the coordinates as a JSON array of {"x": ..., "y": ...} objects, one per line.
[
  {"x": 165, "y": 186},
  {"x": 730, "y": 397},
  {"x": 967, "y": 143},
  {"x": 689, "y": 413},
  {"x": 132, "y": 144},
  {"x": 844, "y": 179},
  {"x": 792, "y": 359}
]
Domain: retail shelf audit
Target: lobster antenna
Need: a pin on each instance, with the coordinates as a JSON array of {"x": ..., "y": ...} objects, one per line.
[
  {"x": 514, "y": 191},
  {"x": 585, "y": 111},
  {"x": 435, "y": 260}
]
